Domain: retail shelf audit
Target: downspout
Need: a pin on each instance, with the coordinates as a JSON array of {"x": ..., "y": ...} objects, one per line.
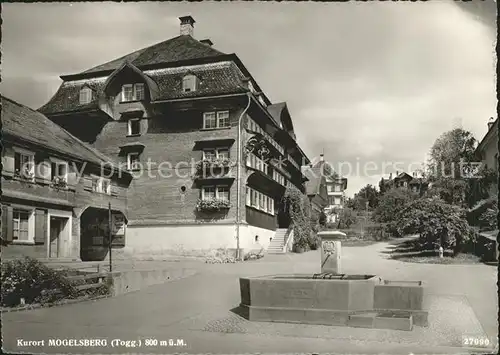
[{"x": 238, "y": 178}]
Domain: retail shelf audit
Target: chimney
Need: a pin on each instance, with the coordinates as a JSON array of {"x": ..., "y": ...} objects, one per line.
[
  {"x": 207, "y": 41},
  {"x": 187, "y": 25},
  {"x": 321, "y": 157},
  {"x": 490, "y": 123},
  {"x": 397, "y": 173},
  {"x": 390, "y": 176}
]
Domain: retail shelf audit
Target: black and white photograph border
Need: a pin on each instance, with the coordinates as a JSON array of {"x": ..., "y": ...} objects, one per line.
[{"x": 249, "y": 177}]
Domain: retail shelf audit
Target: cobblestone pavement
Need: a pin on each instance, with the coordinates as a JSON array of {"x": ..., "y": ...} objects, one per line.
[{"x": 197, "y": 310}]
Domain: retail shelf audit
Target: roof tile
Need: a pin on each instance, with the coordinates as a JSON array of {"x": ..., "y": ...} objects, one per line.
[
  {"x": 18, "y": 119},
  {"x": 179, "y": 48}
]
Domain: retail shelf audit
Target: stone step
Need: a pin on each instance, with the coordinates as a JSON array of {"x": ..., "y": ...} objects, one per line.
[{"x": 382, "y": 320}]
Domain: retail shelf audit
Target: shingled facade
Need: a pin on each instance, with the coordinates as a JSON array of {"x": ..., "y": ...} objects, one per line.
[
  {"x": 56, "y": 191},
  {"x": 210, "y": 155}
]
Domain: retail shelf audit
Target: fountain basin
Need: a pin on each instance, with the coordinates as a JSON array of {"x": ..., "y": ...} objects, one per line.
[{"x": 329, "y": 299}]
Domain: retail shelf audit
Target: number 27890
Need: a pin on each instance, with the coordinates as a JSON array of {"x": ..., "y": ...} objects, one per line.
[{"x": 475, "y": 341}]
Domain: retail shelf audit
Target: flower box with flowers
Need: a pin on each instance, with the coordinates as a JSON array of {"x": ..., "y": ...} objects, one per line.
[
  {"x": 24, "y": 174},
  {"x": 59, "y": 183},
  {"x": 212, "y": 205}
]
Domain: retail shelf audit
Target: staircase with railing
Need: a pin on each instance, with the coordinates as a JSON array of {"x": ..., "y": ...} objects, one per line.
[{"x": 282, "y": 241}]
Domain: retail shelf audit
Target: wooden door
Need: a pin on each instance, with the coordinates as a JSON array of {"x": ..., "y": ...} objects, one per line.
[{"x": 55, "y": 238}]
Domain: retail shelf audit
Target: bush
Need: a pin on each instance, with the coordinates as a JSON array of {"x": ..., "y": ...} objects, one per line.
[
  {"x": 322, "y": 219},
  {"x": 35, "y": 282},
  {"x": 438, "y": 223},
  {"x": 488, "y": 220},
  {"x": 314, "y": 241},
  {"x": 377, "y": 231},
  {"x": 347, "y": 217},
  {"x": 298, "y": 207},
  {"x": 474, "y": 214}
]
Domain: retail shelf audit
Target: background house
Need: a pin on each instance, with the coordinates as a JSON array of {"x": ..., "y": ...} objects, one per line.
[
  {"x": 221, "y": 152},
  {"x": 487, "y": 151},
  {"x": 326, "y": 188},
  {"x": 415, "y": 182},
  {"x": 316, "y": 187}
]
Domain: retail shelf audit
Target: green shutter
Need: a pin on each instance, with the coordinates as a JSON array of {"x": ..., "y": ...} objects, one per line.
[
  {"x": 7, "y": 224},
  {"x": 40, "y": 226},
  {"x": 87, "y": 183}
]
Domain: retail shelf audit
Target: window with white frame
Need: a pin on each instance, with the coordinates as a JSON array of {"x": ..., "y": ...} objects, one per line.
[
  {"x": 101, "y": 185},
  {"x": 189, "y": 83},
  {"x": 21, "y": 225},
  {"x": 218, "y": 119},
  {"x": 279, "y": 177},
  {"x": 261, "y": 100},
  {"x": 106, "y": 186},
  {"x": 256, "y": 163},
  {"x": 85, "y": 95},
  {"x": 24, "y": 164},
  {"x": 259, "y": 200},
  {"x": 248, "y": 197},
  {"x": 219, "y": 153},
  {"x": 139, "y": 91},
  {"x": 223, "y": 193},
  {"x": 134, "y": 126},
  {"x": 133, "y": 92},
  {"x": 133, "y": 160},
  {"x": 223, "y": 119},
  {"x": 95, "y": 183},
  {"x": 209, "y": 120},
  {"x": 59, "y": 170},
  {"x": 220, "y": 192}
]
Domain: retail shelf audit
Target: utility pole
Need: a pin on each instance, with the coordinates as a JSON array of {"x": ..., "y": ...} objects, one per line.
[{"x": 110, "y": 241}]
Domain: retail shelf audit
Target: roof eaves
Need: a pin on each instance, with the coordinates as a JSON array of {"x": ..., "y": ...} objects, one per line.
[{"x": 487, "y": 136}]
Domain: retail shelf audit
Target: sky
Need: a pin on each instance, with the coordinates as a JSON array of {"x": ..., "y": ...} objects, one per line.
[{"x": 369, "y": 84}]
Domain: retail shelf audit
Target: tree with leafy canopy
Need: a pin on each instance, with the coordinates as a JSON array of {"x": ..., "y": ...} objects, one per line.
[
  {"x": 391, "y": 203},
  {"x": 366, "y": 198},
  {"x": 437, "y": 223},
  {"x": 450, "y": 156}
]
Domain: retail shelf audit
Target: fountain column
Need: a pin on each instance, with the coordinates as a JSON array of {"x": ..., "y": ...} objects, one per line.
[{"x": 331, "y": 251}]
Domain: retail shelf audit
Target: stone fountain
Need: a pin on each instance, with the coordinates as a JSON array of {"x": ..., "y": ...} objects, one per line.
[{"x": 334, "y": 298}]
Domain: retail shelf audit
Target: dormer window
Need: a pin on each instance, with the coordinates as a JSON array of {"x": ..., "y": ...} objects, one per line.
[
  {"x": 85, "y": 95},
  {"x": 250, "y": 87},
  {"x": 189, "y": 83},
  {"x": 133, "y": 92}
]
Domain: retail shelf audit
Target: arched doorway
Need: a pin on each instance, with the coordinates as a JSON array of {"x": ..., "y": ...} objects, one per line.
[{"x": 94, "y": 233}]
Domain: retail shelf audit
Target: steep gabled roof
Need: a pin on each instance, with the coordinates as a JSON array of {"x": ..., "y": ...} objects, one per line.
[
  {"x": 280, "y": 113},
  {"x": 314, "y": 179},
  {"x": 176, "y": 49},
  {"x": 403, "y": 175},
  {"x": 31, "y": 126}
]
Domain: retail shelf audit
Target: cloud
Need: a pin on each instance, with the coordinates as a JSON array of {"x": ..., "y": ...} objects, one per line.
[{"x": 365, "y": 82}]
